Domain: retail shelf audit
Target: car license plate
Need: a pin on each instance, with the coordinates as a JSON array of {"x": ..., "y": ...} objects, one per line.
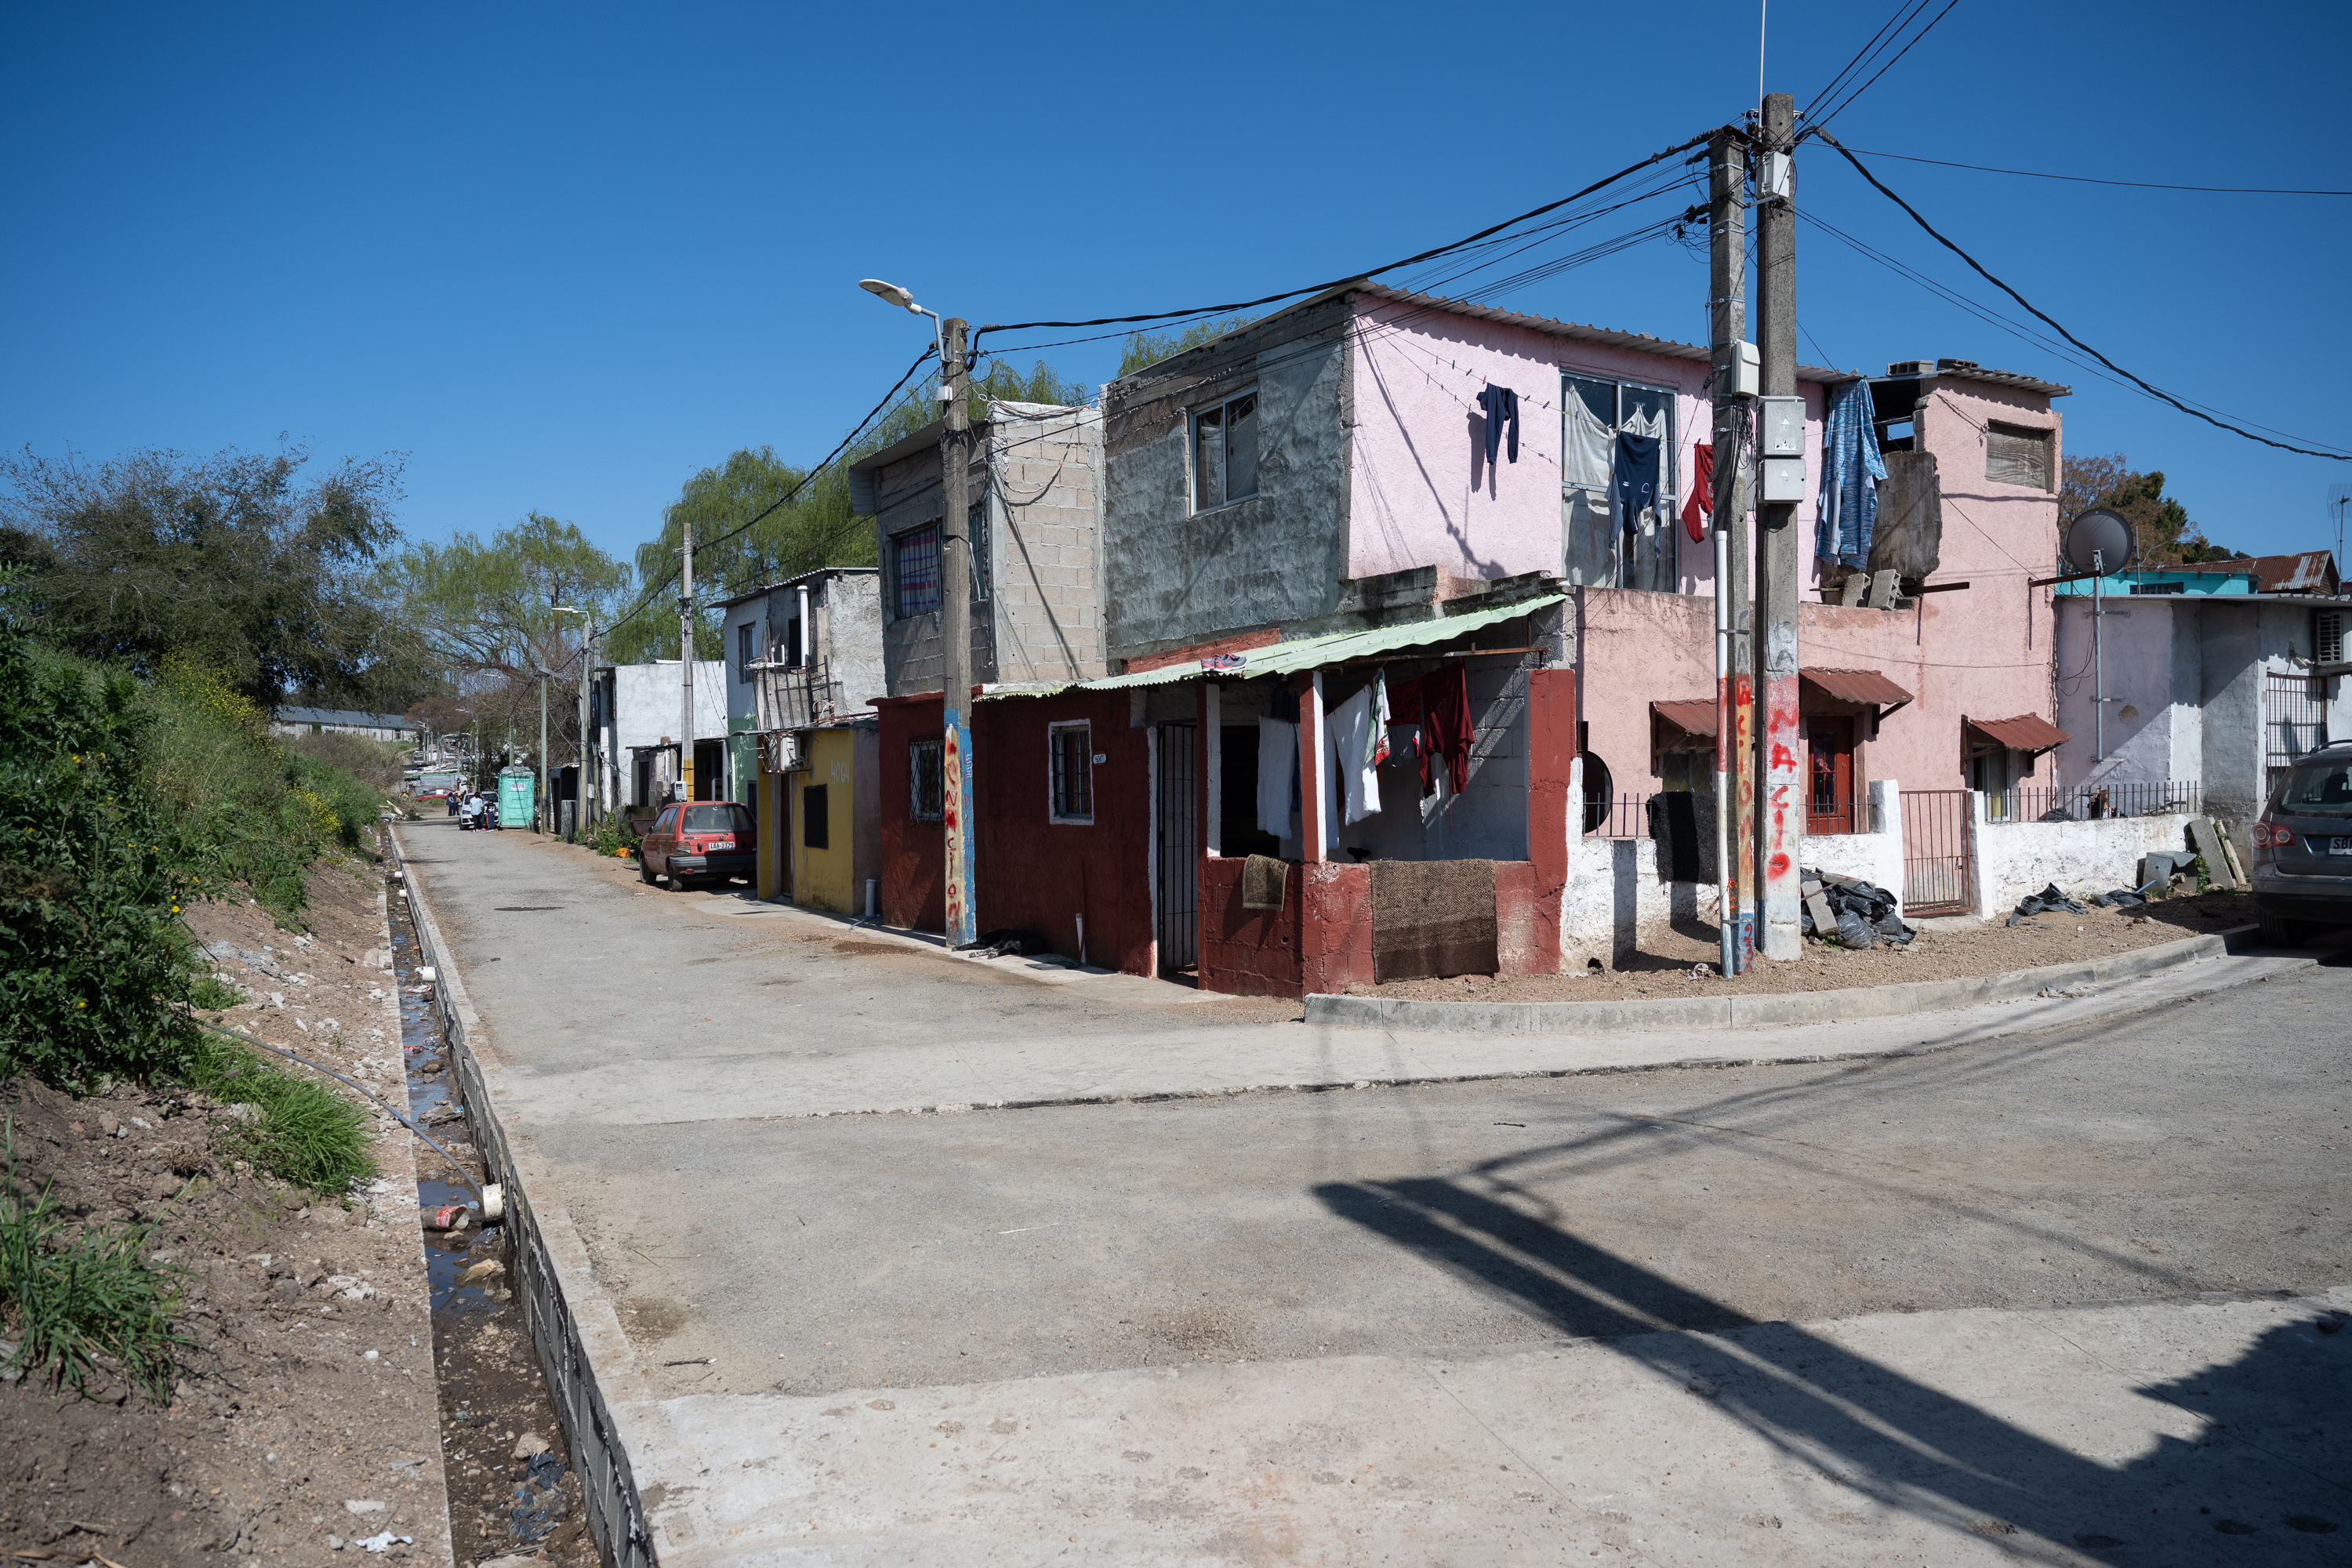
[
  {"x": 730, "y": 844},
  {"x": 2339, "y": 846}
]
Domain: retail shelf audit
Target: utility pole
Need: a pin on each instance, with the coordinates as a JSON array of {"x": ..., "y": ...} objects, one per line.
[
  {"x": 543, "y": 809},
  {"x": 1728, "y": 335},
  {"x": 955, "y": 631},
  {"x": 583, "y": 790},
  {"x": 686, "y": 665},
  {"x": 1779, "y": 546}
]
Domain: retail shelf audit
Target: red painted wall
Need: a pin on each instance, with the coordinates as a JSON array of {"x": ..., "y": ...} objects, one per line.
[
  {"x": 912, "y": 874},
  {"x": 1036, "y": 873},
  {"x": 1247, "y": 952}
]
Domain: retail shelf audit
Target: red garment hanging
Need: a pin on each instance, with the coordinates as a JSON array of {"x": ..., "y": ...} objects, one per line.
[
  {"x": 1701, "y": 504},
  {"x": 1446, "y": 724}
]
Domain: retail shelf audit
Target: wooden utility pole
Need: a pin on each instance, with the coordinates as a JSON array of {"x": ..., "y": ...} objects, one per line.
[
  {"x": 1781, "y": 543},
  {"x": 686, "y": 664},
  {"x": 955, "y": 632}
]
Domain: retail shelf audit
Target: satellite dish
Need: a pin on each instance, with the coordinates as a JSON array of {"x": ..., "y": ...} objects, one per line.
[{"x": 2103, "y": 533}]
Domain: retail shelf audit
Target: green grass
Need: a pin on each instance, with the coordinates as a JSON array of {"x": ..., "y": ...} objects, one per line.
[
  {"x": 308, "y": 1133},
  {"x": 210, "y": 994},
  {"x": 82, "y": 1304}
]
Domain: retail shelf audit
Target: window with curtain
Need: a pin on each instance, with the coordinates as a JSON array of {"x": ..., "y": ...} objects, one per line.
[
  {"x": 1598, "y": 547},
  {"x": 1225, "y": 452},
  {"x": 2016, "y": 455},
  {"x": 915, "y": 572}
]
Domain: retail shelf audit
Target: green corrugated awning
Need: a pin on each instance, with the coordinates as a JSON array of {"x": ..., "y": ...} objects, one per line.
[{"x": 1331, "y": 648}]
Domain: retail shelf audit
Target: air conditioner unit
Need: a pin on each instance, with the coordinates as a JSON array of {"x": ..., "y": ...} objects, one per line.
[{"x": 2331, "y": 636}]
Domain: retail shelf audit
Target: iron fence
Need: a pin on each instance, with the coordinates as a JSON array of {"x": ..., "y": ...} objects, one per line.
[
  {"x": 2091, "y": 803},
  {"x": 1617, "y": 816}
]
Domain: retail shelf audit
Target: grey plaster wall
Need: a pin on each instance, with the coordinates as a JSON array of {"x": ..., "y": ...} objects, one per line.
[
  {"x": 848, "y": 610},
  {"x": 1037, "y": 466},
  {"x": 1174, "y": 576}
]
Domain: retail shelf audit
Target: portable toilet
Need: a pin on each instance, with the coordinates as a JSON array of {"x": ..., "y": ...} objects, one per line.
[{"x": 515, "y": 787}]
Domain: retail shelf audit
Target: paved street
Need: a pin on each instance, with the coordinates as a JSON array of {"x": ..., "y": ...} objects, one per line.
[{"x": 2059, "y": 1294}]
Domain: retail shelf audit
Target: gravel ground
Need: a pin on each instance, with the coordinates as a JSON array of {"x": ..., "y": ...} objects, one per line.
[{"x": 1668, "y": 966}]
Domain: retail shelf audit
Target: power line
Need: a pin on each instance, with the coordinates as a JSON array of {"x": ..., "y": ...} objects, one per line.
[
  {"x": 2093, "y": 180},
  {"x": 1813, "y": 125},
  {"x": 1903, "y": 13},
  {"x": 805, "y": 480},
  {"x": 1368, "y": 272},
  {"x": 1864, "y": 169}
]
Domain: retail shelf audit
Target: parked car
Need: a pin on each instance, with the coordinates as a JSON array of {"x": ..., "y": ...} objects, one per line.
[
  {"x": 696, "y": 839},
  {"x": 2303, "y": 848},
  {"x": 435, "y": 786}
]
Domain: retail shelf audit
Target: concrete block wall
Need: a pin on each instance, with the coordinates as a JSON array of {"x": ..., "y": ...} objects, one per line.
[
  {"x": 1045, "y": 543},
  {"x": 2016, "y": 858}
]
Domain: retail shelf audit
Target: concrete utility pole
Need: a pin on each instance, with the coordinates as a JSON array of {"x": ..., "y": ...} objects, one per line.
[
  {"x": 583, "y": 790},
  {"x": 1735, "y": 780},
  {"x": 1781, "y": 543},
  {"x": 686, "y": 665},
  {"x": 955, "y": 630},
  {"x": 543, "y": 809}
]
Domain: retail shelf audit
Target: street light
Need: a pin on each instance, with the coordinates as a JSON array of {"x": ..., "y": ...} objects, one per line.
[{"x": 955, "y": 609}]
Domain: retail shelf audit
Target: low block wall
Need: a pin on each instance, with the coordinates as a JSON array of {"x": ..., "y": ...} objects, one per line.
[
  {"x": 2018, "y": 858},
  {"x": 1875, "y": 855},
  {"x": 1320, "y": 940}
]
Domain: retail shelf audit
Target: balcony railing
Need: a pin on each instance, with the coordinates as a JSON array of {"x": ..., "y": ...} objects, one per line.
[{"x": 791, "y": 696}]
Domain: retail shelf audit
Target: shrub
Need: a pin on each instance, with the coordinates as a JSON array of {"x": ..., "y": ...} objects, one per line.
[{"x": 308, "y": 1133}]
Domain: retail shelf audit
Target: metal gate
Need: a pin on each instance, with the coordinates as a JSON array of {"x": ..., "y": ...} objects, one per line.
[
  {"x": 2294, "y": 721},
  {"x": 1178, "y": 846},
  {"x": 1938, "y": 877}
]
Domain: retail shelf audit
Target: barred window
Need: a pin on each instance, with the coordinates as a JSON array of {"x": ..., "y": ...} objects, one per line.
[
  {"x": 1070, "y": 759},
  {"x": 915, "y": 572},
  {"x": 926, "y": 786}
]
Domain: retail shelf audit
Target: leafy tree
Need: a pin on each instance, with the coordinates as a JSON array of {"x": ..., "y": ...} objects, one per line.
[
  {"x": 1150, "y": 348},
  {"x": 486, "y": 613},
  {"x": 235, "y": 560},
  {"x": 2166, "y": 536}
]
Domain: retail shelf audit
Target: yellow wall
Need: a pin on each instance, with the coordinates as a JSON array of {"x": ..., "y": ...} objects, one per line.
[
  {"x": 826, "y": 878},
  {"x": 773, "y": 847}
]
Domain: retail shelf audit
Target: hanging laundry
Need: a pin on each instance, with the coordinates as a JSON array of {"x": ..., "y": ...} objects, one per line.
[
  {"x": 1633, "y": 480},
  {"x": 1701, "y": 504},
  {"x": 1445, "y": 712},
  {"x": 1851, "y": 469},
  {"x": 1352, "y": 748},
  {"x": 1500, "y": 404},
  {"x": 1379, "y": 753},
  {"x": 1277, "y": 776}
]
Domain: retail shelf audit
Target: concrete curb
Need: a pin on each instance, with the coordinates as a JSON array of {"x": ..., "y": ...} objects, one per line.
[
  {"x": 1737, "y": 1012},
  {"x": 582, "y": 1346}
]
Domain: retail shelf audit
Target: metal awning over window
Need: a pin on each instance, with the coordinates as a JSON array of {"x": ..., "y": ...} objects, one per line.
[
  {"x": 1684, "y": 726},
  {"x": 2028, "y": 732},
  {"x": 1864, "y": 686}
]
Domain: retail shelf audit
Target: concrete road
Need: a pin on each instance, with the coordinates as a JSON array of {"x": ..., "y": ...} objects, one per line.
[{"x": 2068, "y": 1295}]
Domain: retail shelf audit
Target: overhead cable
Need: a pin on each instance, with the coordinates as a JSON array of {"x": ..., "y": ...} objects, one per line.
[
  {"x": 2154, "y": 391},
  {"x": 1812, "y": 125},
  {"x": 1366, "y": 272},
  {"x": 2093, "y": 180}
]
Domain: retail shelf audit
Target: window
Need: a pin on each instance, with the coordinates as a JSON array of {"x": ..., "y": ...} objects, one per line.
[
  {"x": 2016, "y": 455},
  {"x": 1225, "y": 452},
  {"x": 1070, "y": 753},
  {"x": 814, "y": 822},
  {"x": 925, "y": 792},
  {"x": 745, "y": 650},
  {"x": 975, "y": 534},
  {"x": 1601, "y": 548},
  {"x": 717, "y": 817},
  {"x": 792, "y": 660},
  {"x": 915, "y": 572}
]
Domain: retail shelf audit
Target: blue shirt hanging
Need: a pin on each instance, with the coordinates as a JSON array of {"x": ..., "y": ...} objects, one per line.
[
  {"x": 1634, "y": 478},
  {"x": 1851, "y": 469},
  {"x": 1500, "y": 404}
]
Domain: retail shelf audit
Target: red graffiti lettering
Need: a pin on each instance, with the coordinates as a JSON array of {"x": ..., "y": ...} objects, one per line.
[
  {"x": 1782, "y": 757},
  {"x": 1778, "y": 865}
]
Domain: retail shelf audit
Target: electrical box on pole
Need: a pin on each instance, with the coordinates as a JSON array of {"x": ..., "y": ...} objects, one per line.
[{"x": 1781, "y": 444}]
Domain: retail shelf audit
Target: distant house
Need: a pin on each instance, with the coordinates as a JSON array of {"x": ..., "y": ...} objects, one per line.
[
  {"x": 286, "y": 721},
  {"x": 2222, "y": 672},
  {"x": 635, "y": 712},
  {"x": 804, "y": 664}
]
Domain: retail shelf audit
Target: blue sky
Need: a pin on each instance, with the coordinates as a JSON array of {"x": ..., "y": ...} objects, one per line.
[{"x": 563, "y": 257}]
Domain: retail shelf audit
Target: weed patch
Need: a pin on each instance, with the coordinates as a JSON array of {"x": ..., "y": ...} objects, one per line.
[
  {"x": 304, "y": 1133},
  {"x": 80, "y": 1304}
]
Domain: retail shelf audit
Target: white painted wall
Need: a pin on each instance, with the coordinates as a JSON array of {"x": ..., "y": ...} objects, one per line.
[
  {"x": 1874, "y": 856},
  {"x": 2018, "y": 858}
]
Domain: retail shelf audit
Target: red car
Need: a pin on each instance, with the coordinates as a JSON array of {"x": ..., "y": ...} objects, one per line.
[{"x": 713, "y": 838}]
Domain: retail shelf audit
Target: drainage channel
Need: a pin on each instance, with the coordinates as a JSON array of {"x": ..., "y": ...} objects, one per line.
[{"x": 513, "y": 1494}]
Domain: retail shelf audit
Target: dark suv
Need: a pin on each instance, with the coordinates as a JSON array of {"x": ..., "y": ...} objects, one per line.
[
  {"x": 2303, "y": 848},
  {"x": 711, "y": 839}
]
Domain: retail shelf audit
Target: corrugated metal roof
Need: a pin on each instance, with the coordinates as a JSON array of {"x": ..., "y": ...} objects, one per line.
[
  {"x": 1961, "y": 370},
  {"x": 2026, "y": 733},
  {"x": 1695, "y": 716},
  {"x": 1856, "y": 686},
  {"x": 1332, "y": 647},
  {"x": 1640, "y": 342}
]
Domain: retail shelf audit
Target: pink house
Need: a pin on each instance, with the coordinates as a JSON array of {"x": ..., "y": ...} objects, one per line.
[{"x": 1375, "y": 473}]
